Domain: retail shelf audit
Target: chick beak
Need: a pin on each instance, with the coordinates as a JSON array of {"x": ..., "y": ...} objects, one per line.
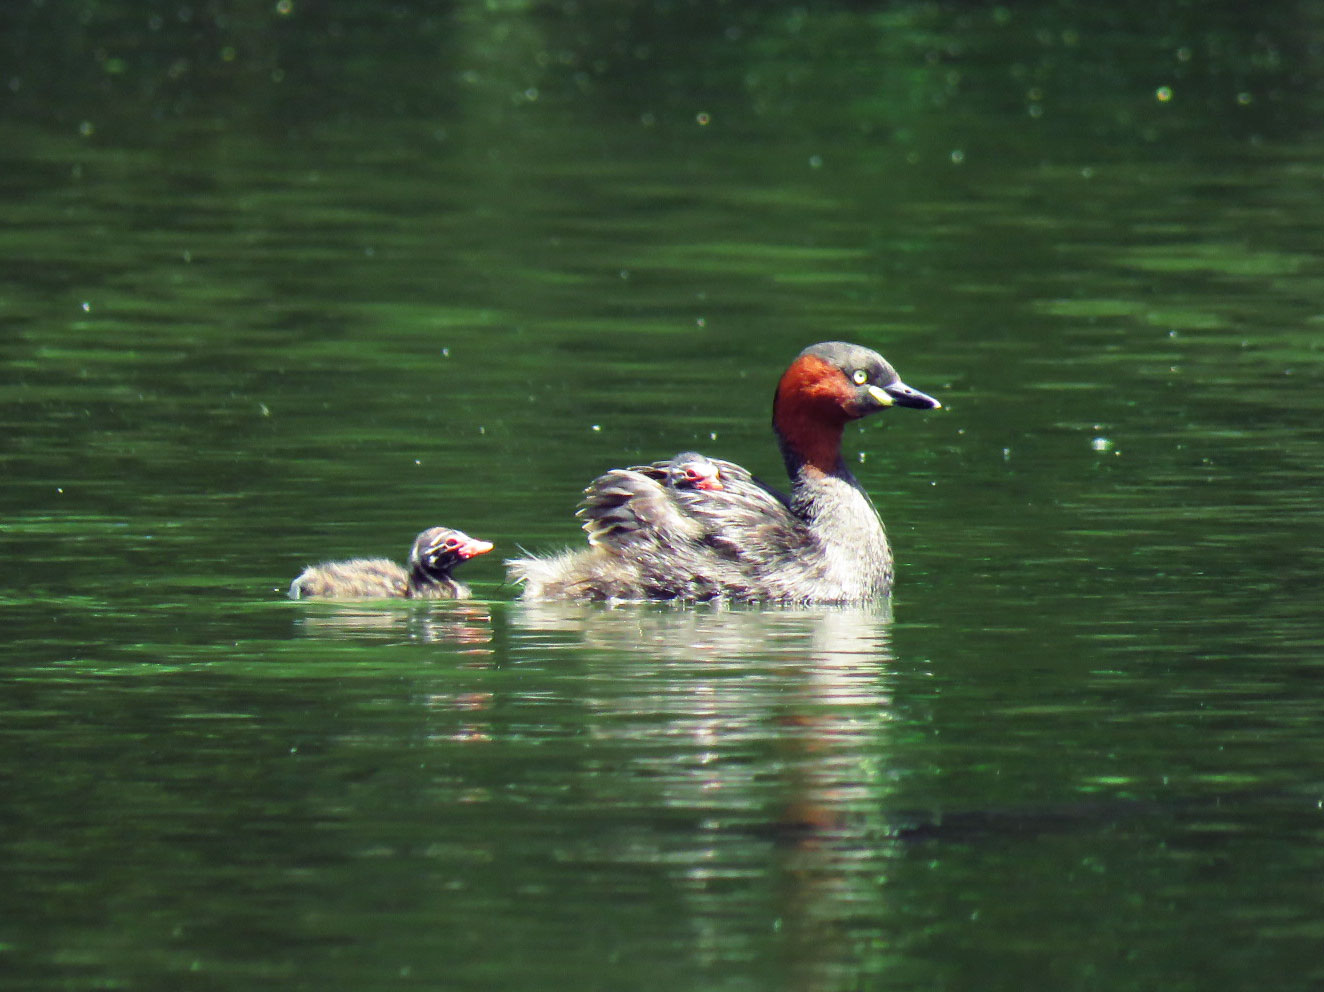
[{"x": 474, "y": 548}]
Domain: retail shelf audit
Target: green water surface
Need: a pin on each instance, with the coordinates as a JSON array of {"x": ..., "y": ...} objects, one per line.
[{"x": 292, "y": 281}]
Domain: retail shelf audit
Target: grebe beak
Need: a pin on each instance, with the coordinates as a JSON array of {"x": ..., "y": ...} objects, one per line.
[
  {"x": 899, "y": 394},
  {"x": 474, "y": 548}
]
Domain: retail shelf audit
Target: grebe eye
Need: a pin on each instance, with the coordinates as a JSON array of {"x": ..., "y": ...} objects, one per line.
[{"x": 860, "y": 377}]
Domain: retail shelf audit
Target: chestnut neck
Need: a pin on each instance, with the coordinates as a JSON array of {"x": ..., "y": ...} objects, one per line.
[{"x": 808, "y": 416}]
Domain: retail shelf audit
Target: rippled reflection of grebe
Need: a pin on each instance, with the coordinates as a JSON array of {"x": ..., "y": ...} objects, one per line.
[
  {"x": 435, "y": 553},
  {"x": 653, "y": 536}
]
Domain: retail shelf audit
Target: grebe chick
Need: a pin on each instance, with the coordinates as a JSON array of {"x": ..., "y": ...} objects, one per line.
[{"x": 435, "y": 552}]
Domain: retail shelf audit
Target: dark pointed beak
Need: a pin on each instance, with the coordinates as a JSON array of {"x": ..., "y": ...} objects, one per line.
[{"x": 903, "y": 395}]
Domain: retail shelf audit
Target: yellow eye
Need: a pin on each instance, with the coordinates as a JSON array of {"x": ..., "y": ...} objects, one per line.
[{"x": 860, "y": 377}]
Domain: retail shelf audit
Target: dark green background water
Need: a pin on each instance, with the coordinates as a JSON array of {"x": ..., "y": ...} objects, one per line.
[{"x": 290, "y": 281}]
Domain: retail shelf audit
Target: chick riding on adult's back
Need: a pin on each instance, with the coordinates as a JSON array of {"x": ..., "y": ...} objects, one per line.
[{"x": 655, "y": 533}]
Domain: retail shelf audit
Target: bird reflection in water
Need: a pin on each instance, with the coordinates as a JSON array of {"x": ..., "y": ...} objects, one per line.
[
  {"x": 754, "y": 734},
  {"x": 463, "y": 626},
  {"x": 466, "y": 624}
]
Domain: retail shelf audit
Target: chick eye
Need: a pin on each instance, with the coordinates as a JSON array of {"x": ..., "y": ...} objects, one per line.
[{"x": 860, "y": 377}]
